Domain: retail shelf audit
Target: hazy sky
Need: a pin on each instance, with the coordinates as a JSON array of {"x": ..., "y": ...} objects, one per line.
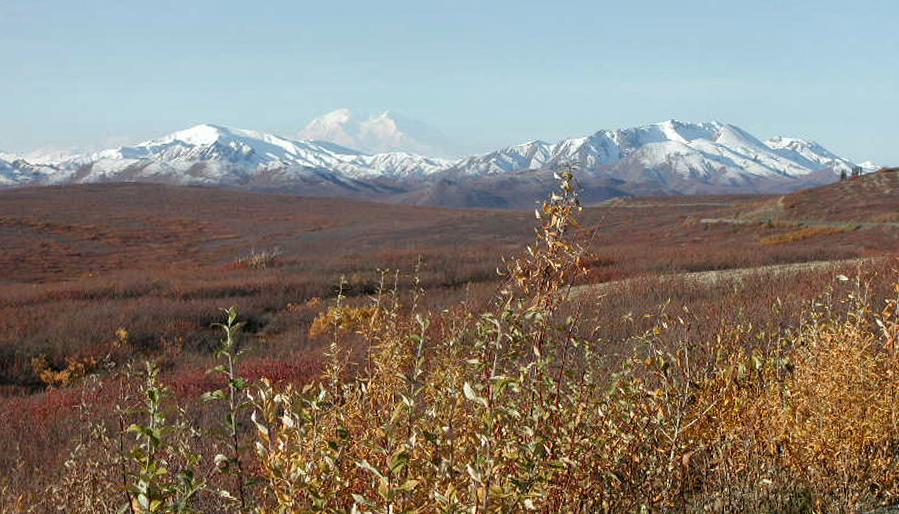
[{"x": 103, "y": 73}]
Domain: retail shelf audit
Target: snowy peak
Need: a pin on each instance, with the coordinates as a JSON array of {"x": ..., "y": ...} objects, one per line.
[
  {"x": 808, "y": 153},
  {"x": 215, "y": 154},
  {"x": 712, "y": 152},
  {"x": 684, "y": 132},
  {"x": 51, "y": 156},
  {"x": 674, "y": 155},
  {"x": 203, "y": 134},
  {"x": 870, "y": 167},
  {"x": 333, "y": 127},
  {"x": 383, "y": 132},
  {"x": 15, "y": 171},
  {"x": 208, "y": 142},
  {"x": 671, "y": 130},
  {"x": 7, "y": 173}
]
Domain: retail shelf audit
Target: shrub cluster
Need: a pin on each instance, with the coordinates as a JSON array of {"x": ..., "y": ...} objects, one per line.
[
  {"x": 516, "y": 406},
  {"x": 259, "y": 259},
  {"x": 802, "y": 233}
]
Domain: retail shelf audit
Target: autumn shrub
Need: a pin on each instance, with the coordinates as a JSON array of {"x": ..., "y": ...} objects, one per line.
[
  {"x": 259, "y": 259},
  {"x": 511, "y": 410},
  {"x": 887, "y": 217},
  {"x": 523, "y": 401},
  {"x": 71, "y": 372},
  {"x": 817, "y": 409},
  {"x": 498, "y": 411},
  {"x": 803, "y": 233}
]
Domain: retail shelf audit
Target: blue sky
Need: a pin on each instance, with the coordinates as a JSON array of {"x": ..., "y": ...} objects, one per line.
[{"x": 103, "y": 73}]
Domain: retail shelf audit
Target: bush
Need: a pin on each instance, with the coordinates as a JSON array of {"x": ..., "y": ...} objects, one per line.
[
  {"x": 259, "y": 259},
  {"x": 517, "y": 406},
  {"x": 803, "y": 233}
]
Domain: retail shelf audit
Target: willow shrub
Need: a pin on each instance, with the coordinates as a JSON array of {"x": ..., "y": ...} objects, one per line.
[
  {"x": 517, "y": 407},
  {"x": 510, "y": 410},
  {"x": 506, "y": 410}
]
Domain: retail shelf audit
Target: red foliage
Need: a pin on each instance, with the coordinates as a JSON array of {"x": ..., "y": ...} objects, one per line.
[
  {"x": 298, "y": 367},
  {"x": 72, "y": 283}
]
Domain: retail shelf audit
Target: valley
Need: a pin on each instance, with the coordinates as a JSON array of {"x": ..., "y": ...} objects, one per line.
[
  {"x": 449, "y": 258},
  {"x": 99, "y": 276}
]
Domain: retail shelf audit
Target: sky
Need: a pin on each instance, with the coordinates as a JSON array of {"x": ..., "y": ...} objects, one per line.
[{"x": 98, "y": 73}]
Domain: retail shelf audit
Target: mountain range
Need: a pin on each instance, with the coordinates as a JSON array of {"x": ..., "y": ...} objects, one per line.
[{"x": 670, "y": 157}]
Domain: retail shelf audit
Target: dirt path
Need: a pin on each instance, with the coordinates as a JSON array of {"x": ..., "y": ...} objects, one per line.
[{"x": 714, "y": 276}]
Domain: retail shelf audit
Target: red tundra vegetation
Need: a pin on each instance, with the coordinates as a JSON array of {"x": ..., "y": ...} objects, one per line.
[{"x": 704, "y": 311}]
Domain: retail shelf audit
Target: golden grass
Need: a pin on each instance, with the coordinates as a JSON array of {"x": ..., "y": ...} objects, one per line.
[
  {"x": 887, "y": 217},
  {"x": 799, "y": 235}
]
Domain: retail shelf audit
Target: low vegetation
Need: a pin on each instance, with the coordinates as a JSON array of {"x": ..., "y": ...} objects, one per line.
[
  {"x": 259, "y": 259},
  {"x": 745, "y": 395},
  {"x": 803, "y": 233},
  {"x": 887, "y": 217}
]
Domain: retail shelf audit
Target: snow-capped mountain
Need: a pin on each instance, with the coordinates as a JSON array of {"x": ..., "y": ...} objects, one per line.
[
  {"x": 52, "y": 156},
  {"x": 869, "y": 167},
  {"x": 660, "y": 158},
  {"x": 215, "y": 154},
  {"x": 712, "y": 152},
  {"x": 207, "y": 142},
  {"x": 15, "y": 171},
  {"x": 809, "y": 153},
  {"x": 384, "y": 132},
  {"x": 7, "y": 173}
]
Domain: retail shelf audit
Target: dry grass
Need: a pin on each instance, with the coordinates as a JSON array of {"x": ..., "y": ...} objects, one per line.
[
  {"x": 799, "y": 235},
  {"x": 850, "y": 200},
  {"x": 259, "y": 259},
  {"x": 70, "y": 281},
  {"x": 887, "y": 217},
  {"x": 510, "y": 405}
]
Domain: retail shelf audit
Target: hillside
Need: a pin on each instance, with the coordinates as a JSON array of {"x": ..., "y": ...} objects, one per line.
[
  {"x": 67, "y": 232},
  {"x": 64, "y": 231},
  {"x": 869, "y": 198},
  {"x": 873, "y": 197}
]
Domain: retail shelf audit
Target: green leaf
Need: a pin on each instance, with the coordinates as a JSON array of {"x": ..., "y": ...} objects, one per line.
[
  {"x": 221, "y": 368},
  {"x": 384, "y": 489},
  {"x": 209, "y": 396},
  {"x": 409, "y": 485},
  {"x": 362, "y": 500},
  {"x": 399, "y": 460},
  {"x": 368, "y": 467},
  {"x": 135, "y": 427},
  {"x": 472, "y": 395}
]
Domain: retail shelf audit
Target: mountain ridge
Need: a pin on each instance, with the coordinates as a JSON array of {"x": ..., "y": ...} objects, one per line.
[{"x": 667, "y": 157}]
